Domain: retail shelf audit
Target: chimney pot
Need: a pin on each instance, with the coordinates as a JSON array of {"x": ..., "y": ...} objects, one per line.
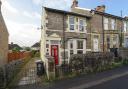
[
  {"x": 74, "y": 4},
  {"x": 100, "y": 8}
]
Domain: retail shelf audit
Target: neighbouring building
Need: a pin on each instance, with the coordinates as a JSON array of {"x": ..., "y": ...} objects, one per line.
[
  {"x": 106, "y": 30},
  {"x": 14, "y": 47},
  {"x": 3, "y": 40},
  {"x": 79, "y": 31},
  {"x": 36, "y": 46},
  {"x": 126, "y": 32}
]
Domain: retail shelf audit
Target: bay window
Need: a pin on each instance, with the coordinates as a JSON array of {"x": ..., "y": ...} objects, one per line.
[
  {"x": 71, "y": 47},
  {"x": 76, "y": 46},
  {"x": 79, "y": 46}
]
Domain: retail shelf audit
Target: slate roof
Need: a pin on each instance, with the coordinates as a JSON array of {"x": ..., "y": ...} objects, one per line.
[
  {"x": 12, "y": 46},
  {"x": 36, "y": 44}
]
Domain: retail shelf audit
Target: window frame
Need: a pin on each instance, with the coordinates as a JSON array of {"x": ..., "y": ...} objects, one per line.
[
  {"x": 106, "y": 21},
  {"x": 113, "y": 24},
  {"x": 125, "y": 26},
  {"x": 79, "y": 49},
  {"x": 82, "y": 25},
  {"x": 71, "y": 24}
]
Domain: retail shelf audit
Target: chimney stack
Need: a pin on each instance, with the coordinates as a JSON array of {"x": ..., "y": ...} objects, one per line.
[
  {"x": 100, "y": 8},
  {"x": 74, "y": 4}
]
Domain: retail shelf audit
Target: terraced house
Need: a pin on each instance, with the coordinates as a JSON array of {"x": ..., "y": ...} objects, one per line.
[
  {"x": 79, "y": 31},
  {"x": 3, "y": 40},
  {"x": 106, "y": 30},
  {"x": 63, "y": 34},
  {"x": 126, "y": 32}
]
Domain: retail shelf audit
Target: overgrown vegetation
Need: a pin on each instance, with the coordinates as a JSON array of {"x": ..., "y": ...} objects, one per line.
[{"x": 35, "y": 53}]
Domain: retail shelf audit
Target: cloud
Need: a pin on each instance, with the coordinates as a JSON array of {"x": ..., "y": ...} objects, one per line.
[
  {"x": 58, "y": 4},
  {"x": 37, "y": 2},
  {"x": 32, "y": 15},
  {"x": 7, "y": 7},
  {"x": 24, "y": 34}
]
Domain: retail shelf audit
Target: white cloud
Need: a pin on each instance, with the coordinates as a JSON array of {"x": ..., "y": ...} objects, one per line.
[
  {"x": 32, "y": 15},
  {"x": 37, "y": 15},
  {"x": 37, "y": 2},
  {"x": 58, "y": 4},
  {"x": 23, "y": 34},
  {"x": 7, "y": 7},
  {"x": 27, "y": 14}
]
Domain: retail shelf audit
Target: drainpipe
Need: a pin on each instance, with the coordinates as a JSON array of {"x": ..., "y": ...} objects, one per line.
[
  {"x": 64, "y": 36},
  {"x": 121, "y": 40},
  {"x": 103, "y": 30}
]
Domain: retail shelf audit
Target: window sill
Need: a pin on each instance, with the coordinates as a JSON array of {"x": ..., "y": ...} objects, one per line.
[{"x": 76, "y": 31}]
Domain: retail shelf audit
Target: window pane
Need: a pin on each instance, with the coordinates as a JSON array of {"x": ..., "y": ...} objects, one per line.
[
  {"x": 81, "y": 25},
  {"x": 106, "y": 26},
  {"x": 79, "y": 51},
  {"x": 125, "y": 26},
  {"x": 71, "y": 20},
  {"x": 71, "y": 27},
  {"x": 106, "y": 23},
  {"x": 108, "y": 42},
  {"x": 112, "y": 24},
  {"x": 71, "y": 44},
  {"x": 79, "y": 44},
  {"x": 81, "y": 28},
  {"x": 71, "y": 52}
]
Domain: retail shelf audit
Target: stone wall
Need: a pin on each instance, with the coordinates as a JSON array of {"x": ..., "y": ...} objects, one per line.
[
  {"x": 3, "y": 41},
  {"x": 123, "y": 53}
]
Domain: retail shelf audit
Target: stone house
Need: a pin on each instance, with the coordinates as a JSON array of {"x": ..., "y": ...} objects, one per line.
[
  {"x": 126, "y": 32},
  {"x": 63, "y": 34},
  {"x": 3, "y": 40},
  {"x": 106, "y": 30},
  {"x": 36, "y": 46},
  {"x": 79, "y": 31}
]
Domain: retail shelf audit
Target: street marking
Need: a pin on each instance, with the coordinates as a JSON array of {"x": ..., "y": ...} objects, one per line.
[{"x": 97, "y": 82}]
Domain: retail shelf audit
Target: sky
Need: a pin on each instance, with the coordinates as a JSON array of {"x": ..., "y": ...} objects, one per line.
[{"x": 23, "y": 17}]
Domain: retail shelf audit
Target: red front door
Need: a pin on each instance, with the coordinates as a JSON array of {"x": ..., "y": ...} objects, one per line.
[{"x": 54, "y": 53}]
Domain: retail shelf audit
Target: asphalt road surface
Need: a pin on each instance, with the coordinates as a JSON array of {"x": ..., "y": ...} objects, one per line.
[{"x": 119, "y": 83}]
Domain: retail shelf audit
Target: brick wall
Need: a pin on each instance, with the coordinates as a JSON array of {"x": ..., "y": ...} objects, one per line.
[{"x": 18, "y": 55}]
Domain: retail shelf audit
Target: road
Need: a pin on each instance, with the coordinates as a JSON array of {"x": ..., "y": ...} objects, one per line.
[
  {"x": 119, "y": 83},
  {"x": 111, "y": 79}
]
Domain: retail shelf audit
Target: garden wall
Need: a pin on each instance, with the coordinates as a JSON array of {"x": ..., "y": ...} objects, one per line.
[
  {"x": 123, "y": 53},
  {"x": 18, "y": 55}
]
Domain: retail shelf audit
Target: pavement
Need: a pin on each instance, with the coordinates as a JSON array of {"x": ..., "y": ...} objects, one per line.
[
  {"x": 28, "y": 73},
  {"x": 90, "y": 81}
]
